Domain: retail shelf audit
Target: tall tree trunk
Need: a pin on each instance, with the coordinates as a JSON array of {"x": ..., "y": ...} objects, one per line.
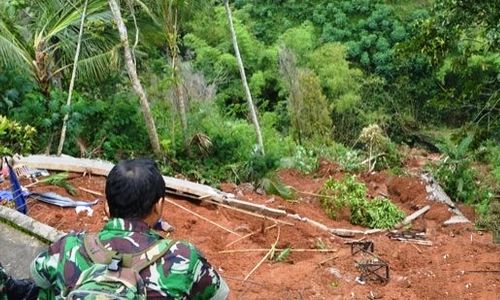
[
  {"x": 251, "y": 106},
  {"x": 132, "y": 73},
  {"x": 181, "y": 96},
  {"x": 72, "y": 82},
  {"x": 180, "y": 101}
]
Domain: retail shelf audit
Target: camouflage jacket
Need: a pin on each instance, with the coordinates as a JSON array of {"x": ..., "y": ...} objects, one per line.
[{"x": 182, "y": 273}]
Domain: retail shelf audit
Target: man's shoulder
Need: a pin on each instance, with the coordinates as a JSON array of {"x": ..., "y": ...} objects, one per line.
[
  {"x": 180, "y": 257},
  {"x": 66, "y": 242}
]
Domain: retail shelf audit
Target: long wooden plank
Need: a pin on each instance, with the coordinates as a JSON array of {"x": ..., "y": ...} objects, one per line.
[{"x": 67, "y": 164}]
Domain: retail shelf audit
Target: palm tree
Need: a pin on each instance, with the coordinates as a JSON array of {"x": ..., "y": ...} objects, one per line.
[
  {"x": 40, "y": 41},
  {"x": 169, "y": 16}
]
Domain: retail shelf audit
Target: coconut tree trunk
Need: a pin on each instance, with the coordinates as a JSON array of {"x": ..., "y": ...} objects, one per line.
[
  {"x": 72, "y": 82},
  {"x": 132, "y": 73},
  {"x": 251, "y": 106}
]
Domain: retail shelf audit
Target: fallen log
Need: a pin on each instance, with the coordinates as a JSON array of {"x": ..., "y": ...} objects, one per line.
[{"x": 413, "y": 216}]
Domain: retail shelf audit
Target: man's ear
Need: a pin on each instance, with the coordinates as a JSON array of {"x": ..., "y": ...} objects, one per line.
[{"x": 158, "y": 208}]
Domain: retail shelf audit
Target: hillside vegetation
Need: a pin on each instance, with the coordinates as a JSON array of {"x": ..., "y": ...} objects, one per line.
[{"x": 358, "y": 82}]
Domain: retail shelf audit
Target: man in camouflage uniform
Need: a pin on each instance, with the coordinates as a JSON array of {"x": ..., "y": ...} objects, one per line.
[{"x": 134, "y": 192}]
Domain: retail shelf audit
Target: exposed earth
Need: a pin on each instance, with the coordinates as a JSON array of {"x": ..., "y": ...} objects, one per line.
[{"x": 462, "y": 263}]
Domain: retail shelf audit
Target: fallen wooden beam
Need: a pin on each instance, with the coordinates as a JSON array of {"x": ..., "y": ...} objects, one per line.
[
  {"x": 413, "y": 216},
  {"x": 66, "y": 164},
  {"x": 414, "y": 241},
  {"x": 336, "y": 231}
]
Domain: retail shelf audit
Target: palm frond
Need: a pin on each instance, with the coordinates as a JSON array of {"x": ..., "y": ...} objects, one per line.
[
  {"x": 100, "y": 66},
  {"x": 13, "y": 52}
]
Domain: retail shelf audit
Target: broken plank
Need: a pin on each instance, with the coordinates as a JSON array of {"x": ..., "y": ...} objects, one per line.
[
  {"x": 419, "y": 242},
  {"x": 413, "y": 216}
]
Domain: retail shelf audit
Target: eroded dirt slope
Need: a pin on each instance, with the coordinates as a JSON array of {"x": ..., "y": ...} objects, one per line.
[{"x": 440, "y": 271}]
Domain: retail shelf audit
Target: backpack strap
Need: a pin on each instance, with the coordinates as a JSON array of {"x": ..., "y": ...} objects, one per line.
[
  {"x": 137, "y": 261},
  {"x": 96, "y": 251},
  {"x": 144, "y": 259}
]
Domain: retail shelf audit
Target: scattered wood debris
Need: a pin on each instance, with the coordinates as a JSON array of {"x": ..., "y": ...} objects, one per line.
[{"x": 410, "y": 237}]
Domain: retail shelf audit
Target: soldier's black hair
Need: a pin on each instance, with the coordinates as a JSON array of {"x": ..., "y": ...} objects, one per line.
[{"x": 133, "y": 187}]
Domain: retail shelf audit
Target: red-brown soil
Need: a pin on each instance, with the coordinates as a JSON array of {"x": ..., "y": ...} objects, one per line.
[{"x": 440, "y": 271}]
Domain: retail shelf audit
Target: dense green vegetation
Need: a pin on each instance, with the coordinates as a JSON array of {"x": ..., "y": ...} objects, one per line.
[
  {"x": 351, "y": 194},
  {"x": 346, "y": 80}
]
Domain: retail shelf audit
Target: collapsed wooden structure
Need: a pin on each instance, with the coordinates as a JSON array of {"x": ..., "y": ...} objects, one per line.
[{"x": 178, "y": 187}]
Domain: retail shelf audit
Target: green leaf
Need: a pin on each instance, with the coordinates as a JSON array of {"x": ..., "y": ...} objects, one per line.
[{"x": 283, "y": 255}]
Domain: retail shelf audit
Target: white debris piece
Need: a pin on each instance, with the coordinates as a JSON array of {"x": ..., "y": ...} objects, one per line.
[{"x": 87, "y": 209}]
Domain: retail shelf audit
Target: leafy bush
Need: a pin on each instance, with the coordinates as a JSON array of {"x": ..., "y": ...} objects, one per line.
[
  {"x": 349, "y": 159},
  {"x": 303, "y": 160},
  {"x": 14, "y": 137},
  {"x": 490, "y": 152},
  {"x": 348, "y": 192},
  {"x": 231, "y": 154},
  {"x": 457, "y": 176},
  {"x": 120, "y": 132},
  {"x": 13, "y": 88}
]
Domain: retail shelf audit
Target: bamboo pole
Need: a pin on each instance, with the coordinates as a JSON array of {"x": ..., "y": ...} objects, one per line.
[
  {"x": 202, "y": 217},
  {"x": 249, "y": 235},
  {"x": 72, "y": 81},
  {"x": 273, "y": 248},
  {"x": 250, "y": 213},
  {"x": 327, "y": 260},
  {"x": 91, "y": 191}
]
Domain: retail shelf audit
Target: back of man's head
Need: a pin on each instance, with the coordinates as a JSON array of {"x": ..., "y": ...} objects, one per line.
[{"x": 133, "y": 187}]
